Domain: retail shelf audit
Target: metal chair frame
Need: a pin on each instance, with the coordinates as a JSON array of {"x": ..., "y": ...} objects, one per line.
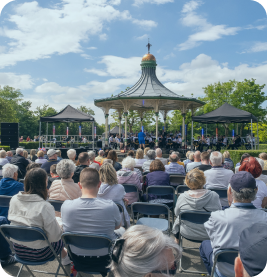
[
  {"x": 217, "y": 257},
  {"x": 4, "y": 201},
  {"x": 168, "y": 190},
  {"x": 140, "y": 168},
  {"x": 181, "y": 237},
  {"x": 121, "y": 209},
  {"x": 264, "y": 172},
  {"x": 56, "y": 204},
  {"x": 220, "y": 191},
  {"x": 65, "y": 238},
  {"x": 131, "y": 188},
  {"x": 177, "y": 178},
  {"x": 183, "y": 188},
  {"x": 157, "y": 206},
  {"x": 39, "y": 235}
]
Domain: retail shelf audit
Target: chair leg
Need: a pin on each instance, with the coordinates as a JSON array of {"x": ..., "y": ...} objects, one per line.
[
  {"x": 29, "y": 270},
  {"x": 181, "y": 245},
  {"x": 20, "y": 270},
  {"x": 57, "y": 270}
]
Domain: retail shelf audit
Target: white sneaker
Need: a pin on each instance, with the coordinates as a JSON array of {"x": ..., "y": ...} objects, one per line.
[{"x": 66, "y": 260}]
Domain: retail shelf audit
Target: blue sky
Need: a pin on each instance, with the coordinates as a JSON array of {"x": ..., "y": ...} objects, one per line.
[{"x": 74, "y": 51}]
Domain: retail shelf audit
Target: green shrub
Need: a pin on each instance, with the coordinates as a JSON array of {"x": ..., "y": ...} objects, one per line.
[
  {"x": 263, "y": 146},
  {"x": 236, "y": 154},
  {"x": 7, "y": 148}
]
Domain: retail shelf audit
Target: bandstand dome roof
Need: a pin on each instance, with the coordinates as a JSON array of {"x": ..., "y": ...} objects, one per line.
[{"x": 143, "y": 94}]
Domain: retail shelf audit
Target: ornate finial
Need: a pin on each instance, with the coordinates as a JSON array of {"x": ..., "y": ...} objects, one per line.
[{"x": 148, "y": 46}]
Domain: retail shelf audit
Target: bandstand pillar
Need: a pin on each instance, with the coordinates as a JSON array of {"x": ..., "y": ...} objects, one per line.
[
  {"x": 106, "y": 130},
  {"x": 183, "y": 143},
  {"x": 119, "y": 112},
  {"x": 192, "y": 130},
  {"x": 157, "y": 128}
]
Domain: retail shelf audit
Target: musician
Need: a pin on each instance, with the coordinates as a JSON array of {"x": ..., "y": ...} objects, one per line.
[
  {"x": 236, "y": 143},
  {"x": 111, "y": 141},
  {"x": 169, "y": 142},
  {"x": 208, "y": 141},
  {"x": 161, "y": 141},
  {"x": 179, "y": 141}
]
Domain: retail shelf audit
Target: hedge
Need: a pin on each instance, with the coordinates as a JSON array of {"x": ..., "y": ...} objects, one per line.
[
  {"x": 236, "y": 154},
  {"x": 35, "y": 144},
  {"x": 263, "y": 146},
  {"x": 7, "y": 148}
]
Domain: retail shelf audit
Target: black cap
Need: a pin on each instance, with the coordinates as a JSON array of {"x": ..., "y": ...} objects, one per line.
[
  {"x": 252, "y": 248},
  {"x": 242, "y": 180}
]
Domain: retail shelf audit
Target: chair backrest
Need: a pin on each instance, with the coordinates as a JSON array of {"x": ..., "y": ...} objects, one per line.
[
  {"x": 121, "y": 209},
  {"x": 56, "y": 204},
  {"x": 177, "y": 178},
  {"x": 131, "y": 188},
  {"x": 264, "y": 172},
  {"x": 150, "y": 208},
  {"x": 196, "y": 217},
  {"x": 221, "y": 192},
  {"x": 4, "y": 201},
  {"x": 224, "y": 256},
  {"x": 182, "y": 189},
  {"x": 161, "y": 190},
  {"x": 139, "y": 167}
]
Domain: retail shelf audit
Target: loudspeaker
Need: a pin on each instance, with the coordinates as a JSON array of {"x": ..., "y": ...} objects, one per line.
[
  {"x": 58, "y": 144},
  {"x": 10, "y": 135},
  {"x": 99, "y": 144}
]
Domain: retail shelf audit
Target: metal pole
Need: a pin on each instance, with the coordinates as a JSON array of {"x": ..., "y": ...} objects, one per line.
[
  {"x": 120, "y": 126},
  {"x": 192, "y": 135},
  {"x": 46, "y": 134},
  {"x": 206, "y": 130},
  {"x": 40, "y": 133},
  {"x": 251, "y": 136},
  {"x": 183, "y": 142},
  {"x": 157, "y": 129},
  {"x": 125, "y": 118},
  {"x": 258, "y": 136},
  {"x": 106, "y": 133},
  {"x": 93, "y": 133}
]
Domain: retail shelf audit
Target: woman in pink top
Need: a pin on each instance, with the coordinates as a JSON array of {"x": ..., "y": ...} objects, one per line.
[{"x": 127, "y": 175}]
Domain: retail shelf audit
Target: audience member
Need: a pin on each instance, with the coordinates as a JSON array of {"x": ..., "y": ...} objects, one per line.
[
  {"x": 228, "y": 163},
  {"x": 26, "y": 155},
  {"x": 65, "y": 188},
  {"x": 21, "y": 162},
  {"x": 178, "y": 156},
  {"x": 113, "y": 156},
  {"x": 127, "y": 175},
  {"x": 84, "y": 162},
  {"x": 110, "y": 189},
  {"x": 131, "y": 153},
  {"x": 262, "y": 177},
  {"x": 196, "y": 162},
  {"x": 108, "y": 161},
  {"x": 40, "y": 158},
  {"x": 9, "y": 155},
  {"x": 263, "y": 156},
  {"x": 252, "y": 258},
  {"x": 145, "y": 252},
  {"x": 92, "y": 163},
  {"x": 53, "y": 175},
  {"x": 205, "y": 161},
  {"x": 174, "y": 167},
  {"x": 187, "y": 157},
  {"x": 92, "y": 216},
  {"x": 151, "y": 155},
  {"x": 245, "y": 155},
  {"x": 100, "y": 156},
  {"x": 30, "y": 208},
  {"x": 159, "y": 156},
  {"x": 139, "y": 158},
  {"x": 105, "y": 155},
  {"x": 195, "y": 199},
  {"x": 224, "y": 227},
  {"x": 9, "y": 185},
  {"x": 33, "y": 156},
  {"x": 59, "y": 158},
  {"x": 252, "y": 166},
  {"x": 217, "y": 176},
  {"x": 3, "y": 159},
  {"x": 52, "y": 159},
  {"x": 145, "y": 152},
  {"x": 32, "y": 165}
]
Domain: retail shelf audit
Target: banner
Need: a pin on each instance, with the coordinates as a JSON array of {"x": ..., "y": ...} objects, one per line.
[
  {"x": 202, "y": 133},
  {"x": 54, "y": 131},
  {"x": 67, "y": 131},
  {"x": 233, "y": 134},
  {"x": 142, "y": 128},
  {"x": 80, "y": 131},
  {"x": 163, "y": 128},
  {"x": 95, "y": 133},
  {"x": 180, "y": 128}
]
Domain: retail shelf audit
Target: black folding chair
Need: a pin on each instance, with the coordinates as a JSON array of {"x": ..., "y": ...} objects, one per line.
[
  {"x": 121, "y": 209},
  {"x": 221, "y": 192},
  {"x": 177, "y": 179},
  {"x": 4, "y": 201},
  {"x": 56, "y": 204},
  {"x": 181, "y": 189}
]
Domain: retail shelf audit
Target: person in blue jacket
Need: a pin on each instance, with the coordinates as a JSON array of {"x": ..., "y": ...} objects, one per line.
[
  {"x": 141, "y": 139},
  {"x": 8, "y": 186}
]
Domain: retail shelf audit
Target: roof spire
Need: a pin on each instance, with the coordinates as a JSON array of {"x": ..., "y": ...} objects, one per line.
[{"x": 148, "y": 46}]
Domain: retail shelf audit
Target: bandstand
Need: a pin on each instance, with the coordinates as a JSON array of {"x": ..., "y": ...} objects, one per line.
[{"x": 147, "y": 94}]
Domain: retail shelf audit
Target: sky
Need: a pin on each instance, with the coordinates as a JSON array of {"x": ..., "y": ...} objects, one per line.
[{"x": 64, "y": 52}]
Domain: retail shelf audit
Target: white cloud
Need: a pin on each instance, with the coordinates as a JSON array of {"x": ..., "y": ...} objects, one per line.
[
  {"x": 45, "y": 80},
  {"x": 92, "y": 48},
  {"x": 87, "y": 57},
  {"x": 171, "y": 55},
  {"x": 258, "y": 47},
  {"x": 158, "y": 2},
  {"x": 205, "y": 30},
  {"x": 42, "y": 32},
  {"x": 145, "y": 36},
  {"x": 16, "y": 81}
]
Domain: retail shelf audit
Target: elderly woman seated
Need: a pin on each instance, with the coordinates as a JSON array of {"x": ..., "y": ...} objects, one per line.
[
  {"x": 40, "y": 158},
  {"x": 228, "y": 163},
  {"x": 262, "y": 177},
  {"x": 139, "y": 158},
  {"x": 3, "y": 159},
  {"x": 151, "y": 155},
  {"x": 127, "y": 175},
  {"x": 144, "y": 252},
  {"x": 65, "y": 188},
  {"x": 111, "y": 190},
  {"x": 195, "y": 199}
]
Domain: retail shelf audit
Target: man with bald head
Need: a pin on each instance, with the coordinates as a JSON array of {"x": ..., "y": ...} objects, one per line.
[
  {"x": 174, "y": 167},
  {"x": 197, "y": 161},
  {"x": 159, "y": 156}
]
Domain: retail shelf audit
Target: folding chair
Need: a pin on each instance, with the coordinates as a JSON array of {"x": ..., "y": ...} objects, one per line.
[
  {"x": 224, "y": 256},
  {"x": 177, "y": 179},
  {"x": 181, "y": 189},
  {"x": 56, "y": 204},
  {"x": 140, "y": 168},
  {"x": 4, "y": 201},
  {"x": 163, "y": 190},
  {"x": 86, "y": 242},
  {"x": 196, "y": 217},
  {"x": 264, "y": 172},
  {"x": 121, "y": 209},
  {"x": 29, "y": 234},
  {"x": 152, "y": 209},
  {"x": 131, "y": 188},
  {"x": 221, "y": 192}
]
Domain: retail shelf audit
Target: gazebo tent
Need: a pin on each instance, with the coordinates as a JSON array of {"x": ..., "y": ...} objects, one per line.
[
  {"x": 68, "y": 114},
  {"x": 147, "y": 94},
  {"x": 227, "y": 114}
]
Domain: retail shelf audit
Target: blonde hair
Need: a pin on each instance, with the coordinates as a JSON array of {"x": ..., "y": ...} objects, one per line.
[
  {"x": 108, "y": 174},
  {"x": 139, "y": 154},
  {"x": 191, "y": 156},
  {"x": 25, "y": 154},
  {"x": 188, "y": 154},
  {"x": 32, "y": 153},
  {"x": 226, "y": 155},
  {"x": 146, "y": 150},
  {"x": 195, "y": 179},
  {"x": 40, "y": 154}
]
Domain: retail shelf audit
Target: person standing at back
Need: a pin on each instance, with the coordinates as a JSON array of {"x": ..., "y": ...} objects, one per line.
[{"x": 141, "y": 139}]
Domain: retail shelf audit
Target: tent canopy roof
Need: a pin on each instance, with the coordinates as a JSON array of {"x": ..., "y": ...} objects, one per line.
[
  {"x": 226, "y": 114},
  {"x": 69, "y": 114}
]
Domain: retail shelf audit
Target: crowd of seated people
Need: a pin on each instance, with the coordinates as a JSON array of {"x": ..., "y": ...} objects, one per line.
[{"x": 90, "y": 193}]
